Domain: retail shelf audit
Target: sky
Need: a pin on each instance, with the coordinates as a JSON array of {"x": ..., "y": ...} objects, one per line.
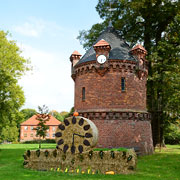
[{"x": 46, "y": 31}]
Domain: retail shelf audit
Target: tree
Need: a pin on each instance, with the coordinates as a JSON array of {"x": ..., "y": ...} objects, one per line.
[
  {"x": 41, "y": 129},
  {"x": 27, "y": 113},
  {"x": 10, "y": 133},
  {"x": 57, "y": 115},
  {"x": 156, "y": 25},
  {"x": 166, "y": 71},
  {"x": 66, "y": 114},
  {"x": 172, "y": 134},
  {"x": 12, "y": 67},
  {"x": 62, "y": 115}
]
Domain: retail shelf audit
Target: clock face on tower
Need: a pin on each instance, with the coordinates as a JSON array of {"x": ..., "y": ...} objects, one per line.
[
  {"x": 101, "y": 59},
  {"x": 76, "y": 135}
]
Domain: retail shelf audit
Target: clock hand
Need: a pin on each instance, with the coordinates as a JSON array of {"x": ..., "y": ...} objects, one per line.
[
  {"x": 73, "y": 147},
  {"x": 78, "y": 135}
]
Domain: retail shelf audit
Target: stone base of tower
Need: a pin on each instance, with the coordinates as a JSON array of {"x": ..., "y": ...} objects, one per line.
[{"x": 123, "y": 129}]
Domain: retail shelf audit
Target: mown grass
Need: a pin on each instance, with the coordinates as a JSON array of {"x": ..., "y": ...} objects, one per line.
[{"x": 164, "y": 165}]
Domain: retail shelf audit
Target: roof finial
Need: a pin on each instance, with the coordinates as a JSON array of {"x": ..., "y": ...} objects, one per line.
[
  {"x": 110, "y": 24},
  {"x": 110, "y": 10}
]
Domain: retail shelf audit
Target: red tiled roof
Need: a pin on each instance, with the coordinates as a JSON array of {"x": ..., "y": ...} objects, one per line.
[
  {"x": 102, "y": 42},
  {"x": 33, "y": 121},
  {"x": 76, "y": 53},
  {"x": 138, "y": 46}
]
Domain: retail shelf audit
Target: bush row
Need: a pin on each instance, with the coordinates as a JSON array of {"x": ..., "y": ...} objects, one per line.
[{"x": 42, "y": 141}]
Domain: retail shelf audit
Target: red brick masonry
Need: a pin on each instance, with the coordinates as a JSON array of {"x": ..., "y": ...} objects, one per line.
[
  {"x": 121, "y": 116},
  {"x": 123, "y": 129}
]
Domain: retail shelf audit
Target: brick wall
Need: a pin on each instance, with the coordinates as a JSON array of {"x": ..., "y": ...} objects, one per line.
[
  {"x": 125, "y": 133},
  {"x": 104, "y": 92},
  {"x": 107, "y": 105}
]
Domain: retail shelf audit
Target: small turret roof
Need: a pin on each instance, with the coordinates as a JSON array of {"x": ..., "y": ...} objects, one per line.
[
  {"x": 119, "y": 48},
  {"x": 76, "y": 53},
  {"x": 102, "y": 42},
  {"x": 138, "y": 46}
]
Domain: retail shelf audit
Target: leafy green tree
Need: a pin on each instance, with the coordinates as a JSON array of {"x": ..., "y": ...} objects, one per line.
[
  {"x": 62, "y": 115},
  {"x": 41, "y": 129},
  {"x": 172, "y": 133},
  {"x": 156, "y": 25},
  {"x": 57, "y": 115},
  {"x": 12, "y": 67},
  {"x": 25, "y": 114},
  {"x": 28, "y": 113},
  {"x": 166, "y": 77},
  {"x": 10, "y": 133},
  {"x": 66, "y": 114}
]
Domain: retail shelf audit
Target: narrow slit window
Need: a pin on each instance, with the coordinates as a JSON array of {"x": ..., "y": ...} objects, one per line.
[
  {"x": 122, "y": 84},
  {"x": 83, "y": 94}
]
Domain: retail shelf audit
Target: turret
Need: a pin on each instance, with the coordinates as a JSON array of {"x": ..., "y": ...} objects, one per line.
[
  {"x": 140, "y": 52},
  {"x": 102, "y": 47},
  {"x": 75, "y": 57}
]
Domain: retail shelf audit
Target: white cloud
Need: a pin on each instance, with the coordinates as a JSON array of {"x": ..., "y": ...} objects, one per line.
[
  {"x": 33, "y": 27},
  {"x": 50, "y": 82}
]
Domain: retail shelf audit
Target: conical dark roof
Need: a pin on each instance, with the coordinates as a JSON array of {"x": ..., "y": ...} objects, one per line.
[{"x": 119, "y": 48}]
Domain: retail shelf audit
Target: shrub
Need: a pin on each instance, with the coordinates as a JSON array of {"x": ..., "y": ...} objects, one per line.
[
  {"x": 42, "y": 142},
  {"x": 172, "y": 135}
]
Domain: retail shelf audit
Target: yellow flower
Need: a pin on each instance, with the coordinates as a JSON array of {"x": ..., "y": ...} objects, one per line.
[
  {"x": 89, "y": 171},
  {"x": 66, "y": 170},
  {"x": 58, "y": 169},
  {"x": 82, "y": 172},
  {"x": 77, "y": 171},
  {"x": 51, "y": 169},
  {"x": 110, "y": 172},
  {"x": 72, "y": 171},
  {"x": 93, "y": 172}
]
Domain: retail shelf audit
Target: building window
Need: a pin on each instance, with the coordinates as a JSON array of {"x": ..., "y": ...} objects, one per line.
[
  {"x": 32, "y": 128},
  {"x": 54, "y": 129},
  {"x": 122, "y": 84},
  {"x": 25, "y": 128},
  {"x": 83, "y": 94},
  {"x": 25, "y": 134},
  {"x": 53, "y": 135},
  {"x": 31, "y": 134},
  {"x": 47, "y": 135}
]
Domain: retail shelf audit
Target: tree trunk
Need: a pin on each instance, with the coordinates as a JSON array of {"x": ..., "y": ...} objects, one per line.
[{"x": 40, "y": 144}]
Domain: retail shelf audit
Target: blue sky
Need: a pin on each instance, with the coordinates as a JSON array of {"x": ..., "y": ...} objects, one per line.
[{"x": 46, "y": 31}]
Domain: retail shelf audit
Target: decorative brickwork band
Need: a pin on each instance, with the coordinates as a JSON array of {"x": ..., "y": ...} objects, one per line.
[
  {"x": 136, "y": 116},
  {"x": 113, "y": 65}
]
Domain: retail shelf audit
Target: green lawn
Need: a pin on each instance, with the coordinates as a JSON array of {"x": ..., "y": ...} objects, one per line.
[{"x": 163, "y": 165}]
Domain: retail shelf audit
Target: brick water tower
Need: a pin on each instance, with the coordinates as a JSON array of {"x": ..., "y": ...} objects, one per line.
[{"x": 110, "y": 89}]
